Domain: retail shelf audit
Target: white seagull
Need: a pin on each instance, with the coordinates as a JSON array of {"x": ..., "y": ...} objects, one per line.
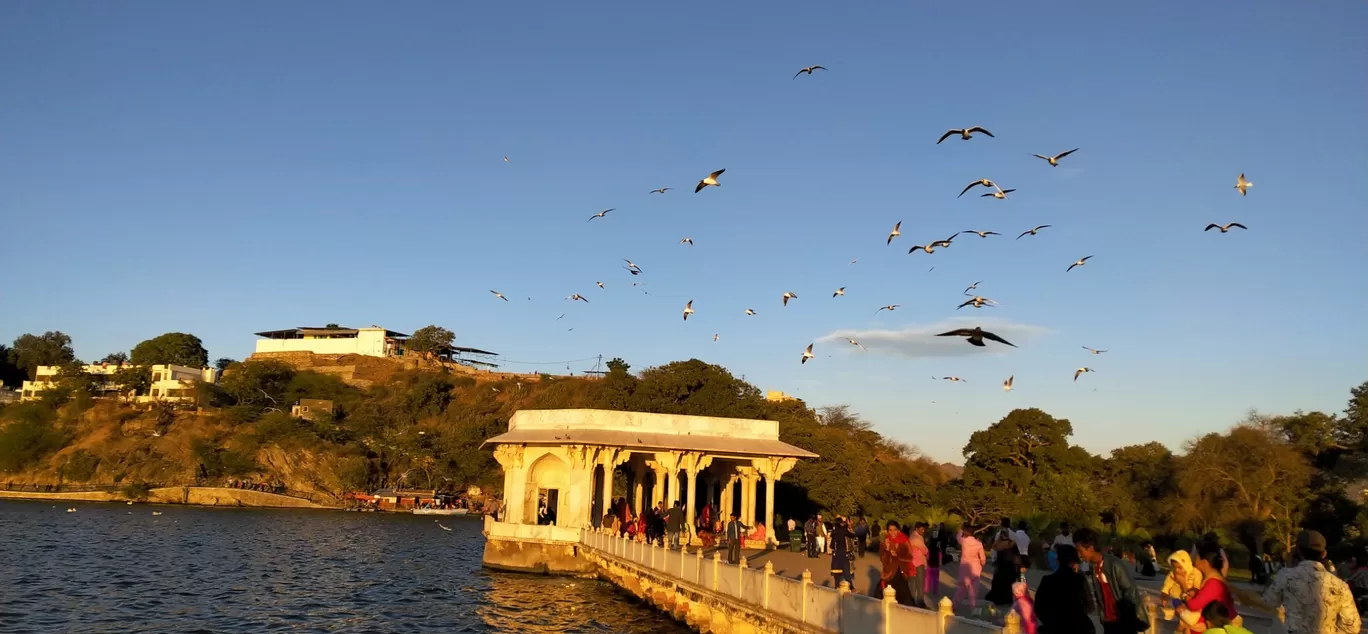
[
  {"x": 1080, "y": 262},
  {"x": 856, "y": 343},
  {"x": 1093, "y": 351},
  {"x": 710, "y": 180},
  {"x": 982, "y": 234},
  {"x": 1054, "y": 160},
  {"x": 788, "y": 296},
  {"x": 807, "y": 354},
  {"x": 661, "y": 190},
  {"x": 897, "y": 231},
  {"x": 631, "y": 266},
  {"x": 714, "y": 337},
  {"x": 890, "y": 308},
  {"x": 600, "y": 284},
  {"x": 808, "y": 70},
  {"x": 506, "y": 160},
  {"x": 599, "y": 214},
  {"x": 965, "y": 134},
  {"x": 688, "y": 310},
  {"x": 978, "y": 302},
  {"x": 839, "y": 291},
  {"x": 499, "y": 295},
  {"x": 1081, "y": 371},
  {"x": 750, "y": 311},
  {"x": 1242, "y": 184},
  {"x": 577, "y": 296},
  {"x": 1031, "y": 232},
  {"x": 687, "y": 240},
  {"x": 1224, "y": 228},
  {"x": 1000, "y": 194},
  {"x": 973, "y": 286},
  {"x": 1007, "y": 385},
  {"x": 980, "y": 182},
  {"x": 953, "y": 379}
]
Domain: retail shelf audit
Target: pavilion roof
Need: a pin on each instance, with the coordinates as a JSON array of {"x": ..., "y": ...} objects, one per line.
[{"x": 716, "y": 445}]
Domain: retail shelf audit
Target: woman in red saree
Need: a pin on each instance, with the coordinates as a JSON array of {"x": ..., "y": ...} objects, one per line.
[{"x": 895, "y": 553}]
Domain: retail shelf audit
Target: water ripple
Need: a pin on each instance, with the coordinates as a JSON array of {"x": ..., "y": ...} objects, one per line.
[{"x": 118, "y": 568}]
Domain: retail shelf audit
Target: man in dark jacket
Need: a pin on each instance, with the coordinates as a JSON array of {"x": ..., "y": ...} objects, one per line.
[
  {"x": 736, "y": 531},
  {"x": 674, "y": 521},
  {"x": 810, "y": 536},
  {"x": 1114, "y": 593},
  {"x": 1062, "y": 601}
]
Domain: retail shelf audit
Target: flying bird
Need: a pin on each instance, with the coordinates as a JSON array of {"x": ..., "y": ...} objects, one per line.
[
  {"x": 982, "y": 181},
  {"x": 890, "y": 308},
  {"x": 788, "y": 296},
  {"x": 1031, "y": 232},
  {"x": 978, "y": 302},
  {"x": 714, "y": 337},
  {"x": 929, "y": 248},
  {"x": 562, "y": 316},
  {"x": 807, "y": 354},
  {"x": 856, "y": 343},
  {"x": 506, "y": 160},
  {"x": 1093, "y": 351},
  {"x": 661, "y": 190},
  {"x": 499, "y": 295},
  {"x": 631, "y": 266},
  {"x": 1000, "y": 194},
  {"x": 982, "y": 234},
  {"x": 1224, "y": 228},
  {"x": 976, "y": 336},
  {"x": 632, "y": 271},
  {"x": 1007, "y": 385},
  {"x": 688, "y": 310},
  {"x": 964, "y": 134},
  {"x": 1242, "y": 184},
  {"x": 439, "y": 525},
  {"x": 577, "y": 296},
  {"x": 600, "y": 284},
  {"x": 839, "y": 291},
  {"x": 710, "y": 180},
  {"x": 973, "y": 286},
  {"x": 687, "y": 240},
  {"x": 599, "y": 214},
  {"x": 1054, "y": 160},
  {"x": 1081, "y": 371},
  {"x": 1080, "y": 262},
  {"x": 750, "y": 311},
  {"x": 952, "y": 379},
  {"x": 808, "y": 70},
  {"x": 897, "y": 231}
]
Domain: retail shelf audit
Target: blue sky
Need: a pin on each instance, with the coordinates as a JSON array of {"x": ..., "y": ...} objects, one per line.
[{"x": 228, "y": 169}]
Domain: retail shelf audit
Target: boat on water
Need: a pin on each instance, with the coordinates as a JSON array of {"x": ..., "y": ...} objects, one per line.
[{"x": 440, "y": 511}]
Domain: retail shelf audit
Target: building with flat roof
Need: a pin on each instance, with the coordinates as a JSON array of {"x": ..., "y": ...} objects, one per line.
[
  {"x": 372, "y": 342},
  {"x": 174, "y": 383}
]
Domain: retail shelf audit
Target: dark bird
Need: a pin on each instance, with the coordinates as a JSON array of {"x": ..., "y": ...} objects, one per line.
[
  {"x": 982, "y": 234},
  {"x": 632, "y": 270},
  {"x": 1054, "y": 160},
  {"x": 661, "y": 190},
  {"x": 1031, "y": 232},
  {"x": 1080, "y": 262},
  {"x": 978, "y": 302},
  {"x": 807, "y": 354},
  {"x": 499, "y": 295},
  {"x": 976, "y": 336},
  {"x": 808, "y": 70},
  {"x": 964, "y": 134},
  {"x": 1224, "y": 228},
  {"x": 579, "y": 297},
  {"x": 599, "y": 214},
  {"x": 1000, "y": 194},
  {"x": 982, "y": 181},
  {"x": 632, "y": 266},
  {"x": 892, "y": 234},
  {"x": 710, "y": 180}
]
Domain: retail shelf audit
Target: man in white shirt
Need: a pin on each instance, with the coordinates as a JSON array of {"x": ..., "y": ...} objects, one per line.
[
  {"x": 1021, "y": 539},
  {"x": 792, "y": 525},
  {"x": 1064, "y": 538}
]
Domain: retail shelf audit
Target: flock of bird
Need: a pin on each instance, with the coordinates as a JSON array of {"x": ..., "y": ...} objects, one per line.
[{"x": 975, "y": 336}]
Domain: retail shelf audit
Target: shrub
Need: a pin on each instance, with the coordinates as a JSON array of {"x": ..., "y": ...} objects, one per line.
[
  {"x": 29, "y": 439},
  {"x": 136, "y": 491},
  {"x": 81, "y": 466}
]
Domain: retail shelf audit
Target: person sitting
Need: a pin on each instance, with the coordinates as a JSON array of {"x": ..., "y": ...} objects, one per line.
[
  {"x": 758, "y": 533},
  {"x": 1218, "y": 620}
]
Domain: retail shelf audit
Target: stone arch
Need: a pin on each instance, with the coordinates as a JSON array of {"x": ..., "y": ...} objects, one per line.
[{"x": 548, "y": 472}]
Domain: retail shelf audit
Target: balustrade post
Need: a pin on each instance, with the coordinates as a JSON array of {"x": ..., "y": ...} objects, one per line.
[
  {"x": 717, "y": 568},
  {"x": 1013, "y": 625},
  {"x": 841, "y": 591},
  {"x": 947, "y": 612},
  {"x": 890, "y": 599},
  {"x": 683, "y": 550},
  {"x": 741, "y": 577},
  {"x": 807, "y": 587},
  {"x": 1152, "y": 609},
  {"x": 765, "y": 589},
  {"x": 698, "y": 569}
]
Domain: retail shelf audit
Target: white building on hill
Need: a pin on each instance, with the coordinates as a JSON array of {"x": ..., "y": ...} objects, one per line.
[
  {"x": 374, "y": 341},
  {"x": 169, "y": 382}
]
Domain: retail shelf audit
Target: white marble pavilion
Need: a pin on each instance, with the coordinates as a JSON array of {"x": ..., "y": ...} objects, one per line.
[{"x": 570, "y": 457}]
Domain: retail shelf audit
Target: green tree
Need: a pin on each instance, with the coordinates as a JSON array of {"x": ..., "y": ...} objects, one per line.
[
  {"x": 134, "y": 378},
  {"x": 222, "y": 363},
  {"x": 115, "y": 358},
  {"x": 31, "y": 436},
  {"x": 429, "y": 341},
  {"x": 695, "y": 388},
  {"x": 10, "y": 373},
  {"x": 259, "y": 383},
  {"x": 1024, "y": 444},
  {"x": 172, "y": 348},
  {"x": 50, "y": 348}
]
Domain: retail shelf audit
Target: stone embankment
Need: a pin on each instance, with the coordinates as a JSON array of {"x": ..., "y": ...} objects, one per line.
[{"x": 203, "y": 496}]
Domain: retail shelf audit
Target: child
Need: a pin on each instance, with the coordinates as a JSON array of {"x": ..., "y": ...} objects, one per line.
[
  {"x": 1024, "y": 606},
  {"x": 1217, "y": 619}
]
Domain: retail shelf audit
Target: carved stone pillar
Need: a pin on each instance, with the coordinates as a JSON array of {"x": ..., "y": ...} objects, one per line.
[
  {"x": 510, "y": 457},
  {"x": 773, "y": 469}
]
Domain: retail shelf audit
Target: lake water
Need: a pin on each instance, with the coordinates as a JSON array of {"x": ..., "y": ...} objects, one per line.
[{"x": 118, "y": 568}]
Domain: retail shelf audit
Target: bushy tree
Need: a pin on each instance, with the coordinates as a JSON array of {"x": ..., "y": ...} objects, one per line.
[
  {"x": 115, "y": 358},
  {"x": 173, "y": 348},
  {"x": 430, "y": 340},
  {"x": 260, "y": 383},
  {"x": 134, "y": 378},
  {"x": 50, "y": 348},
  {"x": 222, "y": 363}
]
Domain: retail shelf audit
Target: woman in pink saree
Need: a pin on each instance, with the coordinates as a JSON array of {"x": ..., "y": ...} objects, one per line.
[{"x": 972, "y": 560}]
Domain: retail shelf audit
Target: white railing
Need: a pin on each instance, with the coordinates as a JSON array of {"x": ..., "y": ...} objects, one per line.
[
  {"x": 530, "y": 532},
  {"x": 798, "y": 600}
]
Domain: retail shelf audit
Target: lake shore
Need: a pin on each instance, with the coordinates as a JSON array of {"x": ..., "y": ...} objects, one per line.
[{"x": 194, "y": 496}]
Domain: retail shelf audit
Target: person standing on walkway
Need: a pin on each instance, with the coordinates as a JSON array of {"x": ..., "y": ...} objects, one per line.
[
  {"x": 935, "y": 546},
  {"x": 861, "y": 537},
  {"x": 810, "y": 536},
  {"x": 972, "y": 560},
  {"x": 1005, "y": 570},
  {"x": 1062, "y": 602},
  {"x": 895, "y": 555},
  {"x": 917, "y": 580},
  {"x": 674, "y": 521},
  {"x": 841, "y": 541},
  {"x": 822, "y": 534},
  {"x": 1113, "y": 591},
  {"x": 1317, "y": 601},
  {"x": 736, "y": 531},
  {"x": 1214, "y": 588}
]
